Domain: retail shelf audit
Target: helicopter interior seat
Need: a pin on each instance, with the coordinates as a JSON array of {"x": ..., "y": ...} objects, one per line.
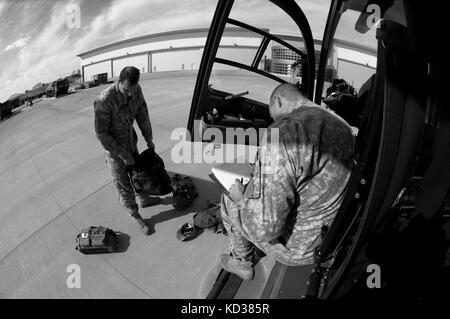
[
  {"x": 362, "y": 101},
  {"x": 293, "y": 281}
]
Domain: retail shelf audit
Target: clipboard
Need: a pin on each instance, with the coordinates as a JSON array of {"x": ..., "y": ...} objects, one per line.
[{"x": 226, "y": 174}]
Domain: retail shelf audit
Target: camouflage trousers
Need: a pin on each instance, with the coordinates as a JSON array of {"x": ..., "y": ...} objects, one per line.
[
  {"x": 241, "y": 248},
  {"x": 125, "y": 190}
]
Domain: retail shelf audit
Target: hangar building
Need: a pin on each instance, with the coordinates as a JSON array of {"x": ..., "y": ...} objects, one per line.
[
  {"x": 168, "y": 51},
  {"x": 183, "y": 49}
]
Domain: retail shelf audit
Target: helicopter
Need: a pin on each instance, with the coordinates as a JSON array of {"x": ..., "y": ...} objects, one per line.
[{"x": 390, "y": 236}]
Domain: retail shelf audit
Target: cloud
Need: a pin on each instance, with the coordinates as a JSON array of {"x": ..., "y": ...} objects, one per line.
[
  {"x": 17, "y": 44},
  {"x": 45, "y": 55},
  {"x": 124, "y": 19}
]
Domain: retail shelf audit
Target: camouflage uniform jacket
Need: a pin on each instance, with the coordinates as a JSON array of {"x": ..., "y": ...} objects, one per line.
[
  {"x": 285, "y": 205},
  {"x": 114, "y": 117}
]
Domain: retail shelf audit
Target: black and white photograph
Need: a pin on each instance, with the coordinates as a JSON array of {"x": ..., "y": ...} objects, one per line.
[{"x": 237, "y": 150}]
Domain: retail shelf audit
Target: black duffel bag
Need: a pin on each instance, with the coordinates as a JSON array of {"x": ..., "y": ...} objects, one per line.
[
  {"x": 149, "y": 175},
  {"x": 341, "y": 97}
]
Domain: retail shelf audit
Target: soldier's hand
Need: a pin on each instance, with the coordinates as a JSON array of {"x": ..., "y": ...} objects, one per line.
[
  {"x": 128, "y": 159},
  {"x": 150, "y": 145},
  {"x": 236, "y": 191}
]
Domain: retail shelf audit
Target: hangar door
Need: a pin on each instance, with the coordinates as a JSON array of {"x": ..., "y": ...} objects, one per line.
[
  {"x": 139, "y": 61},
  {"x": 354, "y": 73},
  {"x": 93, "y": 69},
  {"x": 176, "y": 60}
]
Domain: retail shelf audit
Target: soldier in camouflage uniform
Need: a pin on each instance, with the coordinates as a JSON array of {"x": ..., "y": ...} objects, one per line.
[
  {"x": 115, "y": 111},
  {"x": 284, "y": 206}
]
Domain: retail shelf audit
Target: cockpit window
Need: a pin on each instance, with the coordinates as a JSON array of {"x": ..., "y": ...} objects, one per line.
[
  {"x": 239, "y": 45},
  {"x": 253, "y": 47},
  {"x": 352, "y": 56},
  {"x": 236, "y": 81},
  {"x": 356, "y": 28},
  {"x": 267, "y": 42},
  {"x": 317, "y": 12},
  {"x": 353, "y": 53},
  {"x": 263, "y": 14},
  {"x": 279, "y": 58}
]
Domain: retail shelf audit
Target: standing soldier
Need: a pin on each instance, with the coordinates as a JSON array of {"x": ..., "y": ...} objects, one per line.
[
  {"x": 115, "y": 111},
  {"x": 298, "y": 184}
]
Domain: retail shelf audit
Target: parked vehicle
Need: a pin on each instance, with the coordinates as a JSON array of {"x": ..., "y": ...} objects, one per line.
[
  {"x": 101, "y": 78},
  {"x": 5, "y": 109},
  {"x": 35, "y": 93},
  {"x": 57, "y": 88}
]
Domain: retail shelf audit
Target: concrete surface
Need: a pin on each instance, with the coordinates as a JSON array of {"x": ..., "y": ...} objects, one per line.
[{"x": 54, "y": 182}]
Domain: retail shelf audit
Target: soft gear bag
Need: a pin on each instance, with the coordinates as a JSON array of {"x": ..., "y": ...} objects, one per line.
[
  {"x": 210, "y": 218},
  {"x": 184, "y": 192},
  {"x": 341, "y": 97},
  {"x": 97, "y": 240},
  {"x": 149, "y": 175}
]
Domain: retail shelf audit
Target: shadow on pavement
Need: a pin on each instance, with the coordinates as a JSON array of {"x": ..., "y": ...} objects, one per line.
[
  {"x": 166, "y": 201},
  {"x": 124, "y": 242},
  {"x": 67, "y": 94},
  {"x": 203, "y": 187}
]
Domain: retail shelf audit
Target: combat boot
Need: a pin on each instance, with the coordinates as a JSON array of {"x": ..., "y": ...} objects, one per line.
[
  {"x": 243, "y": 269},
  {"x": 141, "y": 223}
]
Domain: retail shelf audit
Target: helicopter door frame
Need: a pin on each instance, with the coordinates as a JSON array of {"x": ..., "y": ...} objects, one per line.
[
  {"x": 220, "y": 19},
  {"x": 334, "y": 16}
]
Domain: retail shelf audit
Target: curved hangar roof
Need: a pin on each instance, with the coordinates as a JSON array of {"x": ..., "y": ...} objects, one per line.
[{"x": 167, "y": 41}]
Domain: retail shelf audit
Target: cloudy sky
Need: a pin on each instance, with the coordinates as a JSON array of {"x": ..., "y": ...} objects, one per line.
[{"x": 36, "y": 44}]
